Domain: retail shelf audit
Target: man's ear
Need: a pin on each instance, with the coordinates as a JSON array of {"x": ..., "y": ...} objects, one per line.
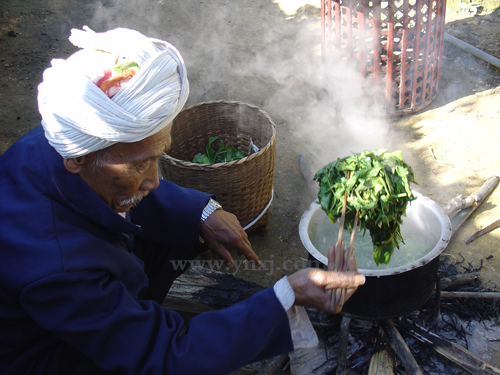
[{"x": 74, "y": 165}]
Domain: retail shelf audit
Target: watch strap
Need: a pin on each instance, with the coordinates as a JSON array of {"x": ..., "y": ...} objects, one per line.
[{"x": 209, "y": 209}]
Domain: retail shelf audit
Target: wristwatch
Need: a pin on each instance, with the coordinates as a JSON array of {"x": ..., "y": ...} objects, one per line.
[{"x": 209, "y": 209}]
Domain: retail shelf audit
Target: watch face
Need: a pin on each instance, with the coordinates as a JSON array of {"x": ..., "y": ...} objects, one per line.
[{"x": 215, "y": 203}]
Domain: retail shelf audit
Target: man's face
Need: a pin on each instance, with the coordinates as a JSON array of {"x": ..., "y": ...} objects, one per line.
[{"x": 126, "y": 173}]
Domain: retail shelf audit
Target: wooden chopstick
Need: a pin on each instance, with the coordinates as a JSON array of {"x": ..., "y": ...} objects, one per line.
[
  {"x": 339, "y": 295},
  {"x": 339, "y": 247},
  {"x": 349, "y": 252}
]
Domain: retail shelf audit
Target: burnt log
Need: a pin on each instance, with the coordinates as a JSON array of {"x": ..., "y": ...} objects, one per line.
[
  {"x": 201, "y": 289},
  {"x": 458, "y": 280},
  {"x": 487, "y": 295},
  {"x": 399, "y": 346},
  {"x": 307, "y": 361},
  {"x": 461, "y": 357},
  {"x": 270, "y": 366},
  {"x": 344, "y": 335}
]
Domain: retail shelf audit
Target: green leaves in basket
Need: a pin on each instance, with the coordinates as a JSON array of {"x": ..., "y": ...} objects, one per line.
[
  {"x": 378, "y": 188},
  {"x": 223, "y": 155}
]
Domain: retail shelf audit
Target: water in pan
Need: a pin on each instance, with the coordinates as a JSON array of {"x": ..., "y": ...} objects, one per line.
[{"x": 420, "y": 229}]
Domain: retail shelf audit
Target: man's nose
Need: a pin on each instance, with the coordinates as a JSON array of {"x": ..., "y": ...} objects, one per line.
[{"x": 151, "y": 180}]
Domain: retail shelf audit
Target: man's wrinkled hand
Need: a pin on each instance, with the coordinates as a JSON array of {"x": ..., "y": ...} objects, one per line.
[
  {"x": 313, "y": 287},
  {"x": 222, "y": 230}
]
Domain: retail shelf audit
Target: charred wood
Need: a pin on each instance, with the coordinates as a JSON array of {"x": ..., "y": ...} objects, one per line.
[
  {"x": 201, "y": 289},
  {"x": 461, "y": 357},
  {"x": 270, "y": 366},
  {"x": 402, "y": 351},
  {"x": 344, "y": 335},
  {"x": 458, "y": 280},
  {"x": 488, "y": 295}
]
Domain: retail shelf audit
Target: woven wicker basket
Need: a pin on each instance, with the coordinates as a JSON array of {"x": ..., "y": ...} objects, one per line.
[
  {"x": 398, "y": 43},
  {"x": 243, "y": 187}
]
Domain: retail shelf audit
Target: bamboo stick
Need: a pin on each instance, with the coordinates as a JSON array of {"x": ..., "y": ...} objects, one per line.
[{"x": 382, "y": 361}]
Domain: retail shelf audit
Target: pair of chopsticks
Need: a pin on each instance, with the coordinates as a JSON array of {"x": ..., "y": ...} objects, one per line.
[{"x": 339, "y": 256}]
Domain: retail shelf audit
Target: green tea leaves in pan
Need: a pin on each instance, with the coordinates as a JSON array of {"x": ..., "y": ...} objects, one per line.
[
  {"x": 378, "y": 187},
  {"x": 223, "y": 155}
]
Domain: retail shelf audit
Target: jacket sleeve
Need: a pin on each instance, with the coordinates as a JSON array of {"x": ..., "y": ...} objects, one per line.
[
  {"x": 171, "y": 214},
  {"x": 119, "y": 333}
]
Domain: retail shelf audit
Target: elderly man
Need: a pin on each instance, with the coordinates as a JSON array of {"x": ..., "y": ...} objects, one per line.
[{"x": 88, "y": 232}]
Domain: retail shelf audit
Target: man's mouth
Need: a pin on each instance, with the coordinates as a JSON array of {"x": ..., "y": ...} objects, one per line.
[{"x": 133, "y": 200}]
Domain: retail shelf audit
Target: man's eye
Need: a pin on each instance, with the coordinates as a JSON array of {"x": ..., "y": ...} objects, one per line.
[
  {"x": 146, "y": 164},
  {"x": 143, "y": 165}
]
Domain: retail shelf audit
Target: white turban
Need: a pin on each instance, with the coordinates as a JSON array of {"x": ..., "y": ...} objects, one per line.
[{"x": 79, "y": 118}]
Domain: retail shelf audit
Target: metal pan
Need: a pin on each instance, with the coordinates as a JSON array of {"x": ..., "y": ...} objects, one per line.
[{"x": 397, "y": 291}]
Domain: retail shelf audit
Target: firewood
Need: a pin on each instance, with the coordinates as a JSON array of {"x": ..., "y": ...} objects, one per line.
[
  {"x": 307, "y": 361},
  {"x": 480, "y": 195},
  {"x": 461, "y": 357},
  {"x": 457, "y": 204},
  {"x": 270, "y": 366},
  {"x": 493, "y": 295},
  {"x": 344, "y": 335},
  {"x": 458, "y": 280},
  {"x": 382, "y": 361},
  {"x": 201, "y": 289},
  {"x": 402, "y": 351}
]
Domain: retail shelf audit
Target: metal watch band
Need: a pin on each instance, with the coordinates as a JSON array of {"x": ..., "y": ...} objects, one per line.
[{"x": 209, "y": 209}]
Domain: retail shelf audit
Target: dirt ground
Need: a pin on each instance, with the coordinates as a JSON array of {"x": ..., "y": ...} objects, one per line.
[{"x": 267, "y": 53}]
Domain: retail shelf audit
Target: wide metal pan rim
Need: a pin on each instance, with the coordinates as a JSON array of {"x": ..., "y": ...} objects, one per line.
[{"x": 436, "y": 251}]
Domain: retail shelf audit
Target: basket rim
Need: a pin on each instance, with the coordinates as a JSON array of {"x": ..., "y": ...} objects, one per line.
[{"x": 191, "y": 165}]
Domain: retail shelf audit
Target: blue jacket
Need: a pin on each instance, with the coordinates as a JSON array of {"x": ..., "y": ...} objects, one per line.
[{"x": 67, "y": 274}]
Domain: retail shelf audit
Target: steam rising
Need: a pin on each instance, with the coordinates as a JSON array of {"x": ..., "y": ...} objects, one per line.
[{"x": 251, "y": 51}]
